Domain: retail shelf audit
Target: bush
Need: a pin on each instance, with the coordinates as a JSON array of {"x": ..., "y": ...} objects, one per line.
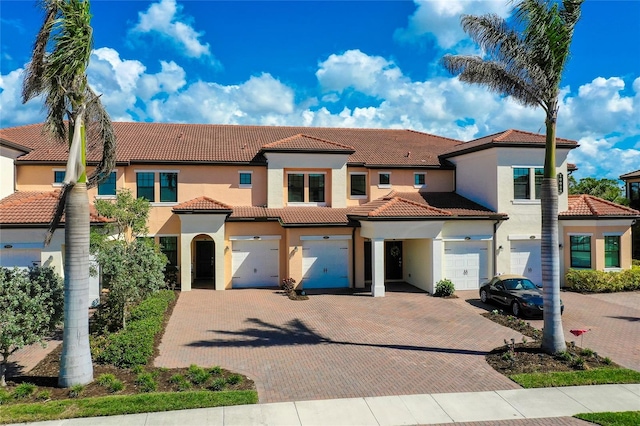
[
  {"x": 234, "y": 379},
  {"x": 134, "y": 345},
  {"x": 215, "y": 371},
  {"x": 44, "y": 395},
  {"x": 197, "y": 375},
  {"x": 106, "y": 379},
  {"x": 24, "y": 390},
  {"x": 444, "y": 288},
  {"x": 591, "y": 281},
  {"x": 76, "y": 391},
  {"x": 146, "y": 382},
  {"x": 218, "y": 384}
]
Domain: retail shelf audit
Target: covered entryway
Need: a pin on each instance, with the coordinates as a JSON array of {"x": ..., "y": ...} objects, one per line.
[
  {"x": 392, "y": 261},
  {"x": 325, "y": 261},
  {"x": 205, "y": 266},
  {"x": 526, "y": 259},
  {"x": 254, "y": 262},
  {"x": 466, "y": 263}
]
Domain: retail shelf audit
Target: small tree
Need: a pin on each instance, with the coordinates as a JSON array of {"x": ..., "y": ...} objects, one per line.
[
  {"x": 31, "y": 307},
  {"x": 607, "y": 189},
  {"x": 132, "y": 266}
]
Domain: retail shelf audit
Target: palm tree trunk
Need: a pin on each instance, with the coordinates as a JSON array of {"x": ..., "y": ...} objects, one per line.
[
  {"x": 76, "y": 367},
  {"x": 552, "y": 334}
]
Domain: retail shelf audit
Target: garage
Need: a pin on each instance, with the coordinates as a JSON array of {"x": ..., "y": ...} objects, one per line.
[
  {"x": 19, "y": 255},
  {"x": 466, "y": 263},
  {"x": 254, "y": 262},
  {"x": 325, "y": 262},
  {"x": 526, "y": 259}
]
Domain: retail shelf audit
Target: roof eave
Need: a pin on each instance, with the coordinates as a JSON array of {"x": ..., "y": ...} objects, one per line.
[{"x": 505, "y": 145}]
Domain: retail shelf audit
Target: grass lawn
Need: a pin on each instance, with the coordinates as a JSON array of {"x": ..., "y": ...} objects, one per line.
[
  {"x": 123, "y": 404},
  {"x": 600, "y": 376},
  {"x": 626, "y": 418}
]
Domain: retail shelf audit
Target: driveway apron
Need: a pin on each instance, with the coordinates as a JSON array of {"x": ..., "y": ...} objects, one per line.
[{"x": 336, "y": 345}]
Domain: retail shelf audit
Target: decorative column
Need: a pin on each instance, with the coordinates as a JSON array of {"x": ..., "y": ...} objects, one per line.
[
  {"x": 437, "y": 250},
  {"x": 377, "y": 265}
]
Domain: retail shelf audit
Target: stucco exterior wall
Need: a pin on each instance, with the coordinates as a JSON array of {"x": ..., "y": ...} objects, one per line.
[
  {"x": 7, "y": 170},
  {"x": 417, "y": 256},
  {"x": 402, "y": 180},
  {"x": 597, "y": 230}
]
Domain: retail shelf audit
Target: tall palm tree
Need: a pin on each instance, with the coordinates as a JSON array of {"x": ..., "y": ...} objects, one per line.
[
  {"x": 526, "y": 61},
  {"x": 74, "y": 114}
]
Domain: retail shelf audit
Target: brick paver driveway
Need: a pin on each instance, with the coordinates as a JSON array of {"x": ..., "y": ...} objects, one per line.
[
  {"x": 613, "y": 318},
  {"x": 336, "y": 345}
]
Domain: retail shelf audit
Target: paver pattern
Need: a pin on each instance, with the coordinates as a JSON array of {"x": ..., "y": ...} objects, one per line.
[
  {"x": 613, "y": 318},
  {"x": 336, "y": 345}
]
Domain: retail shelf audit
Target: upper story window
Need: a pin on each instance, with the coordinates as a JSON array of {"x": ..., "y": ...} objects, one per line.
[
  {"x": 580, "y": 246},
  {"x": 384, "y": 180},
  {"x": 634, "y": 194},
  {"x": 612, "y": 251},
  {"x": 522, "y": 184},
  {"x": 58, "y": 176},
  {"x": 245, "y": 179},
  {"x": 419, "y": 180},
  {"x": 168, "y": 187},
  {"x": 108, "y": 186},
  {"x": 145, "y": 185},
  {"x": 358, "y": 185},
  {"x": 306, "y": 187}
]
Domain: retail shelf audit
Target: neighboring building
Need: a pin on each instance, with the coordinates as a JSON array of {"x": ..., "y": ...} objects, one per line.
[
  {"x": 632, "y": 188},
  {"x": 246, "y": 206}
]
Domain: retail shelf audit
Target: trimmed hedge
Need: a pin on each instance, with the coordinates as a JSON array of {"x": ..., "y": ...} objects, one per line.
[
  {"x": 590, "y": 281},
  {"x": 134, "y": 345}
]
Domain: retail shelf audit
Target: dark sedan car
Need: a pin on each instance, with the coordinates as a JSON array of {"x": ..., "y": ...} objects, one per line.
[{"x": 517, "y": 293}]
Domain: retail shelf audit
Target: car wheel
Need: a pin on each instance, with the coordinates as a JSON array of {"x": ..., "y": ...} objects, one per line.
[
  {"x": 515, "y": 309},
  {"x": 483, "y": 296}
]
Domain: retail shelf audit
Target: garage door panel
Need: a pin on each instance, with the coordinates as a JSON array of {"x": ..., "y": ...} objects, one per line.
[
  {"x": 526, "y": 260},
  {"x": 466, "y": 263},
  {"x": 325, "y": 264},
  {"x": 255, "y": 263}
]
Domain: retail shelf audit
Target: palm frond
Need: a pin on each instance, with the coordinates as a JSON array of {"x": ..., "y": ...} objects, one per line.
[
  {"x": 58, "y": 213},
  {"x": 100, "y": 132}
]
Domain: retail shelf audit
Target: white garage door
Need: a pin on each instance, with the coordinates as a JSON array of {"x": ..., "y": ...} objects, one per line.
[
  {"x": 22, "y": 258},
  {"x": 254, "y": 263},
  {"x": 466, "y": 263},
  {"x": 325, "y": 264},
  {"x": 526, "y": 260}
]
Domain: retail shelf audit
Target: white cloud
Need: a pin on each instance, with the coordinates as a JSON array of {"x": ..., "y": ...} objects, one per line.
[
  {"x": 265, "y": 94},
  {"x": 440, "y": 19},
  {"x": 164, "y": 18},
  {"x": 12, "y": 111}
]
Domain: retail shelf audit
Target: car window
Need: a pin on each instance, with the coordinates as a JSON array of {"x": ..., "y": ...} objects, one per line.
[{"x": 519, "y": 284}]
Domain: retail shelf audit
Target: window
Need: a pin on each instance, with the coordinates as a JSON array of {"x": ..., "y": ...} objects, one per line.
[
  {"x": 539, "y": 174},
  {"x": 145, "y": 185},
  {"x": 612, "y": 251},
  {"x": 245, "y": 180},
  {"x": 634, "y": 194},
  {"x": 316, "y": 188},
  {"x": 580, "y": 251},
  {"x": 296, "y": 187},
  {"x": 520, "y": 183},
  {"x": 560, "y": 183},
  {"x": 169, "y": 246},
  {"x": 108, "y": 186},
  {"x": 58, "y": 176},
  {"x": 168, "y": 187},
  {"x": 418, "y": 179},
  {"x": 384, "y": 180},
  {"x": 358, "y": 185}
]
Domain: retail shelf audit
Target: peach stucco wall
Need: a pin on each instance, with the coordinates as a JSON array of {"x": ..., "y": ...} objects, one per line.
[{"x": 597, "y": 244}]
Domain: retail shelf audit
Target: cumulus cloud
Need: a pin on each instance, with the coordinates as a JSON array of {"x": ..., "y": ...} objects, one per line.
[
  {"x": 166, "y": 20},
  {"x": 12, "y": 111},
  {"x": 440, "y": 19}
]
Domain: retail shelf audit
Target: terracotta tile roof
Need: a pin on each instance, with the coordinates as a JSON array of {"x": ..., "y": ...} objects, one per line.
[
  {"x": 393, "y": 206},
  {"x": 588, "y": 206},
  {"x": 306, "y": 143},
  {"x": 205, "y": 143},
  {"x": 571, "y": 167},
  {"x": 454, "y": 203},
  {"x": 294, "y": 215},
  {"x": 630, "y": 175},
  {"x": 31, "y": 208},
  {"x": 202, "y": 204},
  {"x": 508, "y": 138}
]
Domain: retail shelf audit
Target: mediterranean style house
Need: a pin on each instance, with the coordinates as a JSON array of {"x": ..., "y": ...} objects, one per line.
[{"x": 247, "y": 206}]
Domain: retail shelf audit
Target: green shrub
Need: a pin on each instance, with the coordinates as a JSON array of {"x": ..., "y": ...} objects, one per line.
[
  {"x": 116, "y": 386},
  {"x": 106, "y": 379},
  {"x": 44, "y": 395},
  {"x": 234, "y": 379},
  {"x": 591, "y": 281},
  {"x": 197, "y": 375},
  {"x": 75, "y": 391},
  {"x": 218, "y": 384},
  {"x": 587, "y": 353},
  {"x": 146, "y": 382},
  {"x": 181, "y": 382},
  {"x": 24, "y": 390},
  {"x": 215, "y": 371},
  {"x": 134, "y": 345},
  {"x": 444, "y": 288},
  {"x": 5, "y": 396}
]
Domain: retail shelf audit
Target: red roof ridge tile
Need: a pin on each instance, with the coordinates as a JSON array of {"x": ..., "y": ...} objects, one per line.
[
  {"x": 503, "y": 135},
  {"x": 590, "y": 201},
  {"x": 302, "y": 135},
  {"x": 32, "y": 195},
  {"x": 390, "y": 202},
  {"x": 187, "y": 204}
]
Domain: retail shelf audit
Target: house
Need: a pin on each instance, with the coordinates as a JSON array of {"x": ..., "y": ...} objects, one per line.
[
  {"x": 632, "y": 188},
  {"x": 246, "y": 206}
]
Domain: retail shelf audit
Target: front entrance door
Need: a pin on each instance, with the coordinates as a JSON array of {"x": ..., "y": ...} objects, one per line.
[
  {"x": 392, "y": 260},
  {"x": 204, "y": 259}
]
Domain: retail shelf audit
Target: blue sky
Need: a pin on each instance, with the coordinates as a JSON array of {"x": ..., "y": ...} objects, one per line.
[{"x": 336, "y": 63}]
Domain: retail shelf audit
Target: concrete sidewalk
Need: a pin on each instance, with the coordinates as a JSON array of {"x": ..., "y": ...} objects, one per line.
[{"x": 505, "y": 406}]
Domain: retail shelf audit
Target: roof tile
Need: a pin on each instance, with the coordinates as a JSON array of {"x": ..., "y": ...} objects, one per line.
[
  {"x": 35, "y": 208},
  {"x": 590, "y": 206},
  {"x": 302, "y": 142}
]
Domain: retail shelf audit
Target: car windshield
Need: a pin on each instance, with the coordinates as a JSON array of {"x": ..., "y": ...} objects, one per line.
[{"x": 519, "y": 284}]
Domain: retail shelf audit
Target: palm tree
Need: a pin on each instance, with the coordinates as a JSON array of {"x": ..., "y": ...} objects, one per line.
[
  {"x": 58, "y": 72},
  {"x": 526, "y": 62}
]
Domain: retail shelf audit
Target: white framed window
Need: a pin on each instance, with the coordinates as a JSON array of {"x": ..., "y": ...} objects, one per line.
[
  {"x": 306, "y": 188},
  {"x": 612, "y": 258},
  {"x": 580, "y": 251},
  {"x": 357, "y": 185},
  {"x": 58, "y": 177},
  {"x": 420, "y": 179},
  {"x": 167, "y": 182},
  {"x": 384, "y": 179},
  {"x": 245, "y": 179},
  {"x": 527, "y": 184},
  {"x": 107, "y": 188}
]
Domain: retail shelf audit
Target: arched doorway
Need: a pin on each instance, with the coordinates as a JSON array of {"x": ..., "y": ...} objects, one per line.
[{"x": 204, "y": 270}]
